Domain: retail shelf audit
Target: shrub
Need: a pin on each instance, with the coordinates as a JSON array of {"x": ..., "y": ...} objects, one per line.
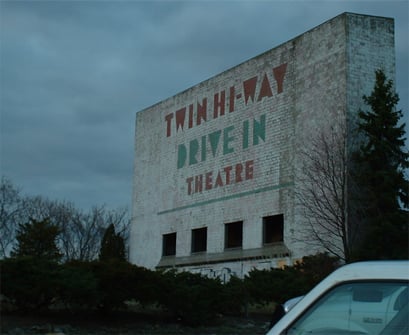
[
  {"x": 78, "y": 287},
  {"x": 192, "y": 298},
  {"x": 279, "y": 285},
  {"x": 235, "y": 296},
  {"x": 30, "y": 283},
  {"x": 315, "y": 268},
  {"x": 145, "y": 285},
  {"x": 274, "y": 285},
  {"x": 114, "y": 280}
]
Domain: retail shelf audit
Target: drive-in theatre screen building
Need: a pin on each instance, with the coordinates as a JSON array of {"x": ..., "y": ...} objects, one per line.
[{"x": 215, "y": 166}]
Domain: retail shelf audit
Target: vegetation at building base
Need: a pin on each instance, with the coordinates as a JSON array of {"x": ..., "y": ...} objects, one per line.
[
  {"x": 35, "y": 279},
  {"x": 36, "y": 284}
]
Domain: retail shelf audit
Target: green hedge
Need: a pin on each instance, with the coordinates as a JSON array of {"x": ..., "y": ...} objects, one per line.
[{"x": 32, "y": 284}]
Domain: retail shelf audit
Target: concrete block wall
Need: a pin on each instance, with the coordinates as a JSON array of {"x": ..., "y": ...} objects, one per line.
[
  {"x": 370, "y": 46},
  {"x": 226, "y": 150}
]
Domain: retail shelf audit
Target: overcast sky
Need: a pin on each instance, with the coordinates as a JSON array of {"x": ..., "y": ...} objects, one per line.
[{"x": 74, "y": 73}]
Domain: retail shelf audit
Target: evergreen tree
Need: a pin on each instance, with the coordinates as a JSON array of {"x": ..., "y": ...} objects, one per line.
[
  {"x": 112, "y": 246},
  {"x": 37, "y": 239},
  {"x": 380, "y": 165}
]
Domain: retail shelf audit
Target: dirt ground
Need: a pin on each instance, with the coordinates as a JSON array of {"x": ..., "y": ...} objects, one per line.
[{"x": 126, "y": 324}]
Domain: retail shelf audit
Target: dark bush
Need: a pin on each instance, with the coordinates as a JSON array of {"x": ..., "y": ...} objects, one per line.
[
  {"x": 279, "y": 285},
  {"x": 274, "y": 285},
  {"x": 29, "y": 283},
  {"x": 191, "y": 298},
  {"x": 235, "y": 296},
  {"x": 119, "y": 281},
  {"x": 78, "y": 287},
  {"x": 33, "y": 283},
  {"x": 115, "y": 285},
  {"x": 315, "y": 268},
  {"x": 145, "y": 285}
]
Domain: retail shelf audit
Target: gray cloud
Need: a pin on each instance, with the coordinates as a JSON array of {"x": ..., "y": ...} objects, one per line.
[{"x": 74, "y": 73}]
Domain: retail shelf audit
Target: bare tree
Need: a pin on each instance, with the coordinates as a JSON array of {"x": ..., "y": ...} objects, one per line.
[
  {"x": 86, "y": 233},
  {"x": 323, "y": 186},
  {"x": 83, "y": 235},
  {"x": 76, "y": 232},
  {"x": 80, "y": 234}
]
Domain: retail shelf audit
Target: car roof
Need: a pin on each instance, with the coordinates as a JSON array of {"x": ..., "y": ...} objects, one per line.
[
  {"x": 360, "y": 271},
  {"x": 370, "y": 270}
]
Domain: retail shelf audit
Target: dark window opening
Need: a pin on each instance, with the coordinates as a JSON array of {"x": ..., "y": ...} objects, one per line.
[
  {"x": 169, "y": 244},
  {"x": 234, "y": 235},
  {"x": 199, "y": 240},
  {"x": 273, "y": 229}
]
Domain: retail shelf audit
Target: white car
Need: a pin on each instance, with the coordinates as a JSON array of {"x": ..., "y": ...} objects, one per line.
[{"x": 360, "y": 298}]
